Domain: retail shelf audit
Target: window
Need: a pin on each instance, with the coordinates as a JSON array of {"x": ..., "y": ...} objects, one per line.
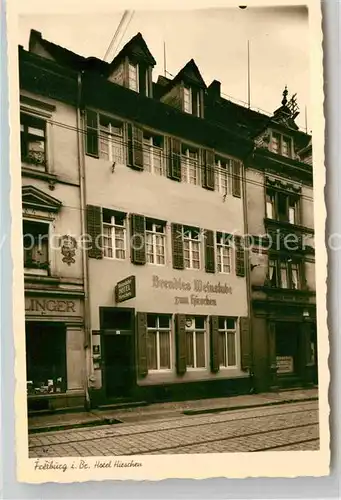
[
  {"x": 189, "y": 165},
  {"x": 224, "y": 253},
  {"x": 36, "y": 247},
  {"x": 45, "y": 357},
  {"x": 281, "y": 145},
  {"x": 195, "y": 342},
  {"x": 222, "y": 175},
  {"x": 285, "y": 273},
  {"x": 159, "y": 342},
  {"x": 187, "y": 100},
  {"x": 133, "y": 77},
  {"x": 227, "y": 342},
  {"x": 155, "y": 242},
  {"x": 33, "y": 140},
  {"x": 114, "y": 235},
  {"x": 111, "y": 139},
  {"x": 191, "y": 241},
  {"x": 282, "y": 207},
  {"x": 153, "y": 153}
]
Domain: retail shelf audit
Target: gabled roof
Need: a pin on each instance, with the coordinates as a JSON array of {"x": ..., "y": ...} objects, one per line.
[
  {"x": 137, "y": 48},
  {"x": 190, "y": 74},
  {"x": 32, "y": 197},
  {"x": 66, "y": 57}
]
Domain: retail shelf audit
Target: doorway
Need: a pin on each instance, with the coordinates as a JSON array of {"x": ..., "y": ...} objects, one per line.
[
  {"x": 288, "y": 348},
  {"x": 117, "y": 325}
]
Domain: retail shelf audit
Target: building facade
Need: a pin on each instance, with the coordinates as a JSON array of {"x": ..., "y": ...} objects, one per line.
[
  {"x": 53, "y": 262},
  {"x": 165, "y": 181}
]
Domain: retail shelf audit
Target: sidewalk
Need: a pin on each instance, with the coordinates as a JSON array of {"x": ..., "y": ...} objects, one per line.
[{"x": 54, "y": 422}]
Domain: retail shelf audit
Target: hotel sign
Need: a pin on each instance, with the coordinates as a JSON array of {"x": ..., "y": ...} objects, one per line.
[{"x": 125, "y": 289}]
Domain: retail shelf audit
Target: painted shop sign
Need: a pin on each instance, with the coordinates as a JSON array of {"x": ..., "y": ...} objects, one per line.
[
  {"x": 125, "y": 289},
  {"x": 197, "y": 286},
  {"x": 52, "y": 307},
  {"x": 285, "y": 364}
]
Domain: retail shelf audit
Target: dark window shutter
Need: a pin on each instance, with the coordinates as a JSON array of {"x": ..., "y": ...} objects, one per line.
[
  {"x": 174, "y": 159},
  {"x": 94, "y": 231},
  {"x": 209, "y": 251},
  {"x": 208, "y": 169},
  {"x": 236, "y": 179},
  {"x": 214, "y": 343},
  {"x": 138, "y": 239},
  {"x": 177, "y": 246},
  {"x": 245, "y": 344},
  {"x": 141, "y": 333},
  {"x": 239, "y": 256},
  {"x": 92, "y": 133},
  {"x": 135, "y": 147},
  {"x": 180, "y": 337}
]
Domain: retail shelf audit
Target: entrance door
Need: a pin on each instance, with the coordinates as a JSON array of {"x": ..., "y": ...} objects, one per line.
[
  {"x": 287, "y": 348},
  {"x": 118, "y": 364}
]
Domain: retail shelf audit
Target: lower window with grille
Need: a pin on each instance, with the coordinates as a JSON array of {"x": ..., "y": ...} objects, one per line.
[
  {"x": 227, "y": 342},
  {"x": 159, "y": 342},
  {"x": 196, "y": 342}
]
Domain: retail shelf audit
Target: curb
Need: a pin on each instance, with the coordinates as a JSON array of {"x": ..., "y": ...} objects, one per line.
[
  {"x": 98, "y": 421},
  {"x": 244, "y": 407}
]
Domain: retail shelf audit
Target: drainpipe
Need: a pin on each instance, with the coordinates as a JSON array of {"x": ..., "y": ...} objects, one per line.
[
  {"x": 81, "y": 169},
  {"x": 248, "y": 274}
]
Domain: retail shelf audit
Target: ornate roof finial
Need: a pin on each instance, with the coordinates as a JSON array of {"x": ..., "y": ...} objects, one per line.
[{"x": 285, "y": 93}]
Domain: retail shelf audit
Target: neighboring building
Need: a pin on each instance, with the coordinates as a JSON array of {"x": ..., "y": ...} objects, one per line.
[
  {"x": 160, "y": 178},
  {"x": 280, "y": 205},
  {"x": 53, "y": 263}
]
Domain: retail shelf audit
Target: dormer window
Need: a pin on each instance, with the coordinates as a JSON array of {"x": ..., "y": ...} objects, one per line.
[
  {"x": 133, "y": 78},
  {"x": 192, "y": 101},
  {"x": 187, "y": 100},
  {"x": 281, "y": 144}
]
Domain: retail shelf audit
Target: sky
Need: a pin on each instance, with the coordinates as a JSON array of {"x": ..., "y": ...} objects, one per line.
[{"x": 215, "y": 38}]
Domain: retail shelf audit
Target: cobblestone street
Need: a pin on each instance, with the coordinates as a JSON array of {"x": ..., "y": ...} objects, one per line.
[{"x": 291, "y": 426}]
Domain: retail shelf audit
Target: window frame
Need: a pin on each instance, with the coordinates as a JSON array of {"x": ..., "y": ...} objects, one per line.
[
  {"x": 110, "y": 139},
  {"x": 280, "y": 264},
  {"x": 151, "y": 149},
  {"x": 191, "y": 241},
  {"x": 291, "y": 200},
  {"x": 154, "y": 235},
  {"x": 45, "y": 270},
  {"x": 112, "y": 237},
  {"x": 185, "y": 161},
  {"x": 157, "y": 330},
  {"x": 136, "y": 68},
  {"x": 220, "y": 175},
  {"x": 223, "y": 241},
  {"x": 188, "y": 90},
  {"x": 194, "y": 331},
  {"x": 281, "y": 139},
  {"x": 25, "y": 135},
  {"x": 226, "y": 331}
]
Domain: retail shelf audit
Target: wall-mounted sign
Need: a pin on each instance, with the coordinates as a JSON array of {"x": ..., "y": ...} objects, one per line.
[
  {"x": 52, "y": 307},
  {"x": 285, "y": 364},
  {"x": 125, "y": 289}
]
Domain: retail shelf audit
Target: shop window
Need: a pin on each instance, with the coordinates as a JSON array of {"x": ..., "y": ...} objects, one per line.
[
  {"x": 33, "y": 141},
  {"x": 36, "y": 247},
  {"x": 222, "y": 175},
  {"x": 224, "y": 251},
  {"x": 191, "y": 247},
  {"x": 285, "y": 274},
  {"x": 195, "y": 342},
  {"x": 282, "y": 207},
  {"x": 153, "y": 154},
  {"x": 227, "y": 342},
  {"x": 114, "y": 234},
  {"x": 159, "y": 342},
  {"x": 189, "y": 165},
  {"x": 45, "y": 358},
  {"x": 155, "y": 242}
]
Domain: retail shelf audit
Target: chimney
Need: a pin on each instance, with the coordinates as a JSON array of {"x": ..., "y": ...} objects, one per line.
[
  {"x": 214, "y": 90},
  {"x": 35, "y": 36}
]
